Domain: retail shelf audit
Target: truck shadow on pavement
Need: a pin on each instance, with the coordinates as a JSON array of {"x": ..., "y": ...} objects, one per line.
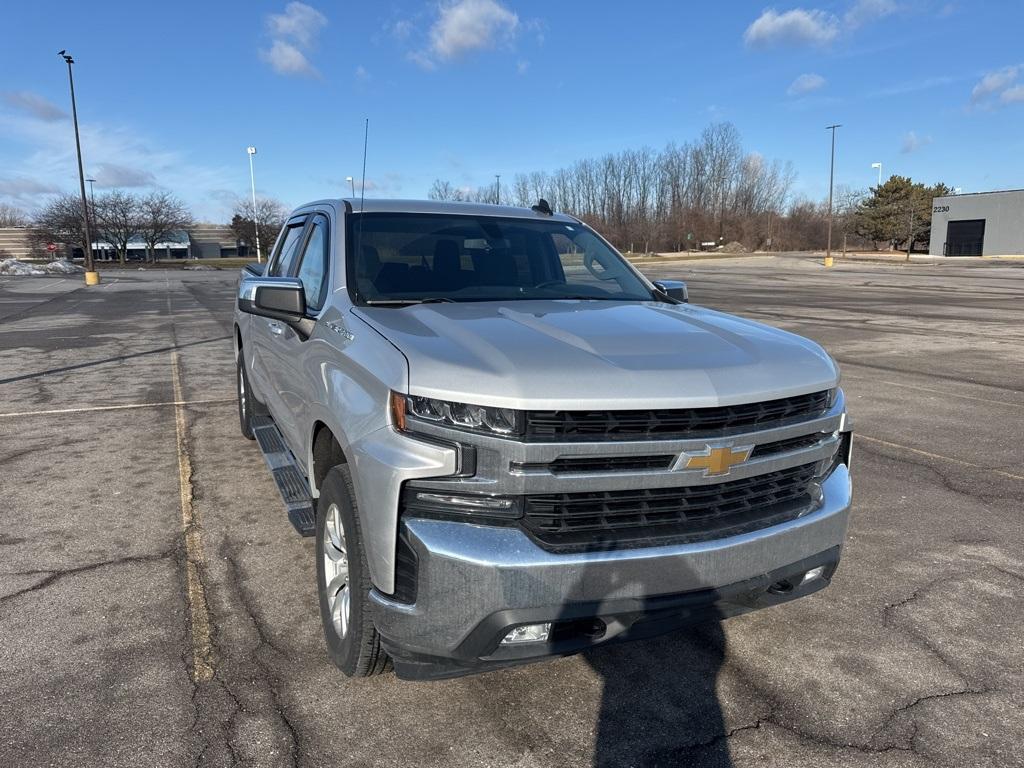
[{"x": 659, "y": 703}]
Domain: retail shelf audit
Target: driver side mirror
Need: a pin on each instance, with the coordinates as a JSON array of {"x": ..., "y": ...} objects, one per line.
[
  {"x": 278, "y": 298},
  {"x": 674, "y": 289}
]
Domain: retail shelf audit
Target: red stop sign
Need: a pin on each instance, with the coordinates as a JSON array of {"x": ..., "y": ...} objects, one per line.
[{"x": 51, "y": 247}]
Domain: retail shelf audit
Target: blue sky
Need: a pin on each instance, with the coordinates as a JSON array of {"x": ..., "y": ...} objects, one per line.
[{"x": 171, "y": 94}]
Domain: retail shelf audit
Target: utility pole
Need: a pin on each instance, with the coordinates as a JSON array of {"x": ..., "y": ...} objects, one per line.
[
  {"x": 255, "y": 219},
  {"x": 497, "y": 188},
  {"x": 831, "y": 177},
  {"x": 91, "y": 276}
]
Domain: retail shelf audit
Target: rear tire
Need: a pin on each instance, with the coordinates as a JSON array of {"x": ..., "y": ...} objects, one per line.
[
  {"x": 245, "y": 398},
  {"x": 343, "y": 581}
]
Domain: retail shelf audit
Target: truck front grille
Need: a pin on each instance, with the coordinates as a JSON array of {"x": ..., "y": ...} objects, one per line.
[
  {"x": 622, "y": 519},
  {"x": 666, "y": 424}
]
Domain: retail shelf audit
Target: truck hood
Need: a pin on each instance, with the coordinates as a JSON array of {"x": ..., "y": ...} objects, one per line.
[{"x": 578, "y": 355}]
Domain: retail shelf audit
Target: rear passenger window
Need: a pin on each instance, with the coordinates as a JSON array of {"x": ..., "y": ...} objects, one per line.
[
  {"x": 313, "y": 267},
  {"x": 285, "y": 257}
]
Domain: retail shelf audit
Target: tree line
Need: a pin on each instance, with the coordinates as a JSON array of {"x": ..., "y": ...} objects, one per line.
[
  {"x": 710, "y": 190},
  {"x": 119, "y": 218},
  {"x": 116, "y": 217}
]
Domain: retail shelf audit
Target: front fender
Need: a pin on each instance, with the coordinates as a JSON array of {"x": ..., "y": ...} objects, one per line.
[{"x": 355, "y": 372}]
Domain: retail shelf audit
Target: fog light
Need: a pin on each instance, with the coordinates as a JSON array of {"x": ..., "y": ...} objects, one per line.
[
  {"x": 528, "y": 633},
  {"x": 814, "y": 573}
]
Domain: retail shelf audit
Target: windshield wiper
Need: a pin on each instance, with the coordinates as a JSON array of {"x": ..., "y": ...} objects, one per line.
[
  {"x": 572, "y": 297},
  {"x": 408, "y": 302}
]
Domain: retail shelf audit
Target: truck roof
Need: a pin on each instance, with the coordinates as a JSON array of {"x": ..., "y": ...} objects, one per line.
[{"x": 377, "y": 205}]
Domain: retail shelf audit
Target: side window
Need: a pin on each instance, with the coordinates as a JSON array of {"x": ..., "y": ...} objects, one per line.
[
  {"x": 285, "y": 256},
  {"x": 313, "y": 267}
]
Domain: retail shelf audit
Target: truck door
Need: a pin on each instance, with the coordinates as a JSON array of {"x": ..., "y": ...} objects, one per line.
[
  {"x": 263, "y": 332},
  {"x": 294, "y": 380}
]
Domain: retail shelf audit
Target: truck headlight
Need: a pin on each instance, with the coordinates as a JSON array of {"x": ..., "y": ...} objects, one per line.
[{"x": 502, "y": 422}]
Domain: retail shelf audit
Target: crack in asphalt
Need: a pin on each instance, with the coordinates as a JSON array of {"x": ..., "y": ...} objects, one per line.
[
  {"x": 237, "y": 578},
  {"x": 943, "y": 478},
  {"x": 53, "y": 575}
]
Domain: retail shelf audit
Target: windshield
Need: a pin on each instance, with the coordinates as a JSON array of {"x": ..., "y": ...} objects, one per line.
[{"x": 400, "y": 258}]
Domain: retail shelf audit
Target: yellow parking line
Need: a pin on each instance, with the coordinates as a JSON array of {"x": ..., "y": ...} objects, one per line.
[
  {"x": 89, "y": 409},
  {"x": 202, "y": 646},
  {"x": 918, "y": 451}
]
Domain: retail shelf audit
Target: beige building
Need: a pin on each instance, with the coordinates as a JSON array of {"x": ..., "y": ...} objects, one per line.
[{"x": 203, "y": 241}]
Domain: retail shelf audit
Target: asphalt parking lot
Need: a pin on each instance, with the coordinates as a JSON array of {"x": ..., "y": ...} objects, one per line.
[{"x": 157, "y": 609}]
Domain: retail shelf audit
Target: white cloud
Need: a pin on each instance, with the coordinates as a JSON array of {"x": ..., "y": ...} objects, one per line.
[
  {"x": 522, "y": 66},
  {"x": 795, "y": 27},
  {"x": 912, "y": 142},
  {"x": 294, "y": 34},
  {"x": 25, "y": 191},
  {"x": 39, "y": 160},
  {"x": 299, "y": 23},
  {"x": 804, "y": 84},
  {"x": 864, "y": 11},
  {"x": 35, "y": 105},
  {"x": 464, "y": 26},
  {"x": 114, "y": 175},
  {"x": 285, "y": 59},
  {"x": 402, "y": 29},
  {"x": 361, "y": 74},
  {"x": 994, "y": 82},
  {"x": 1012, "y": 95}
]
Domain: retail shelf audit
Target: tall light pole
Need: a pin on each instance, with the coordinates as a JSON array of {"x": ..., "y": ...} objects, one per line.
[
  {"x": 92, "y": 200},
  {"x": 352, "y": 182},
  {"x": 831, "y": 177},
  {"x": 497, "y": 188},
  {"x": 91, "y": 277},
  {"x": 879, "y": 167},
  {"x": 255, "y": 219}
]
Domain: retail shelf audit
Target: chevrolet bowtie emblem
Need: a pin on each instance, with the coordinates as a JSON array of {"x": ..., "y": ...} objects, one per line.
[{"x": 714, "y": 461}]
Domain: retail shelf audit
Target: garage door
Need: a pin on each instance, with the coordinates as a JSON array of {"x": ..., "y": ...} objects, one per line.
[{"x": 965, "y": 237}]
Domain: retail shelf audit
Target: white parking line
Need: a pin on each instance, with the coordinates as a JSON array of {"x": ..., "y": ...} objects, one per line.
[
  {"x": 944, "y": 392},
  {"x": 129, "y": 406},
  {"x": 940, "y": 457}
]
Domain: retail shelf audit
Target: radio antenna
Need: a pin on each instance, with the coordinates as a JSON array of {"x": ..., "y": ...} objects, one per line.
[
  {"x": 362, "y": 184},
  {"x": 362, "y": 191}
]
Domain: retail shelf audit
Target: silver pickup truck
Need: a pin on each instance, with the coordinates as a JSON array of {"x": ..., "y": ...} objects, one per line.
[{"x": 508, "y": 444}]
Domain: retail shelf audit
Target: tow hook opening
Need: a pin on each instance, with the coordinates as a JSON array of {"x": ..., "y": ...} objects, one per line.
[
  {"x": 783, "y": 587},
  {"x": 578, "y": 629}
]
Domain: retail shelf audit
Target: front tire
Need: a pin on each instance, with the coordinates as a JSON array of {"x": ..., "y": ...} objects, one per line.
[{"x": 343, "y": 581}]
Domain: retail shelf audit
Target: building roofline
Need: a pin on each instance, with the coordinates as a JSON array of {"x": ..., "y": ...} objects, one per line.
[{"x": 970, "y": 194}]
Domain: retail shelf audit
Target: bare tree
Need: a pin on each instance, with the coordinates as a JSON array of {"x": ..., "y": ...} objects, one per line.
[
  {"x": 441, "y": 190},
  {"x": 59, "y": 221},
  {"x": 161, "y": 215},
  {"x": 118, "y": 220},
  {"x": 270, "y": 215},
  {"x": 708, "y": 190},
  {"x": 11, "y": 216}
]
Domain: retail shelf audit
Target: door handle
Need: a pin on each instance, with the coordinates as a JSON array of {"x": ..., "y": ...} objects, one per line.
[{"x": 275, "y": 328}]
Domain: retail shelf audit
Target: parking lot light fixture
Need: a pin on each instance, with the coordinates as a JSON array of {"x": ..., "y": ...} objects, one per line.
[
  {"x": 352, "y": 182},
  {"x": 879, "y": 167},
  {"x": 831, "y": 176},
  {"x": 91, "y": 276},
  {"x": 255, "y": 219}
]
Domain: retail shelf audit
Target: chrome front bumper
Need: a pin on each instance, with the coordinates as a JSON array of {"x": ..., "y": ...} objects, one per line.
[{"x": 474, "y": 581}]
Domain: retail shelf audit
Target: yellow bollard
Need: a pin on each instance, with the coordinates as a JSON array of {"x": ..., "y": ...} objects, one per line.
[
  {"x": 92, "y": 278},
  {"x": 828, "y": 261}
]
